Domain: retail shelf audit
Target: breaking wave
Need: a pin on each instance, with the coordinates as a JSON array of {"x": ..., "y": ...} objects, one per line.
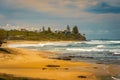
[{"x": 107, "y": 50}]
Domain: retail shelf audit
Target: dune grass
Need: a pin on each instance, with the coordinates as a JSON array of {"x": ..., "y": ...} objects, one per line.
[{"x": 12, "y": 77}]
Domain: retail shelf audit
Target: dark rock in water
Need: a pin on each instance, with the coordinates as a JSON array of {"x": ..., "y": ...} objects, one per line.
[
  {"x": 4, "y": 50},
  {"x": 108, "y": 62},
  {"x": 90, "y": 57},
  {"x": 66, "y": 58},
  {"x": 99, "y": 62},
  {"x": 53, "y": 65},
  {"x": 116, "y": 54},
  {"x": 63, "y": 58},
  {"x": 71, "y": 56}
]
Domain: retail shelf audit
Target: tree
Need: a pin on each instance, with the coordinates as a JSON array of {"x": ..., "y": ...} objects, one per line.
[
  {"x": 68, "y": 28},
  {"x": 43, "y": 29},
  {"x": 49, "y": 30},
  {"x": 27, "y": 33},
  {"x": 75, "y": 30}
]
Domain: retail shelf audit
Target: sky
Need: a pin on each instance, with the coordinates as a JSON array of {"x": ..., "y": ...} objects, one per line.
[{"x": 98, "y": 19}]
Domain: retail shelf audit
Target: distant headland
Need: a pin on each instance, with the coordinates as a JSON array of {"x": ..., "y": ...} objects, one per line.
[{"x": 43, "y": 34}]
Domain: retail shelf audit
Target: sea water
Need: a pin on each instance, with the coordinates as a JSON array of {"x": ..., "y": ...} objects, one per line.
[{"x": 99, "y": 51}]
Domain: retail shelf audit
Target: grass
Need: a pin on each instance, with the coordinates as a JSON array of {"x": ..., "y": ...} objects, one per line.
[{"x": 12, "y": 77}]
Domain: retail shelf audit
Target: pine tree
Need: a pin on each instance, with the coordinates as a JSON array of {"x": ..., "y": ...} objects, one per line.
[
  {"x": 75, "y": 30},
  {"x": 49, "y": 30},
  {"x": 43, "y": 29},
  {"x": 68, "y": 28}
]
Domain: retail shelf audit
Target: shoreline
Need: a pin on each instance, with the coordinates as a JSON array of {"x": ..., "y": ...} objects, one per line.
[
  {"x": 37, "y": 65},
  {"x": 36, "y": 41}
]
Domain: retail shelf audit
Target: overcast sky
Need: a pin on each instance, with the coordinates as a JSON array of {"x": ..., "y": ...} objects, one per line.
[{"x": 98, "y": 19}]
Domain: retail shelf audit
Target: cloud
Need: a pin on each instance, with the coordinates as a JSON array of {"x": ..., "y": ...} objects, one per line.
[
  {"x": 103, "y": 7},
  {"x": 111, "y": 2},
  {"x": 62, "y": 8},
  {"x": 2, "y": 16}
]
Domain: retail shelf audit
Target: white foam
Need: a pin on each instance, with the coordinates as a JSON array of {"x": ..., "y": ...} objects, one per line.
[
  {"x": 100, "y": 42},
  {"x": 40, "y": 44},
  {"x": 21, "y": 45},
  {"x": 100, "y": 46},
  {"x": 84, "y": 50},
  {"x": 116, "y": 53},
  {"x": 54, "y": 44},
  {"x": 115, "y": 42},
  {"x": 96, "y": 42},
  {"x": 64, "y": 46}
]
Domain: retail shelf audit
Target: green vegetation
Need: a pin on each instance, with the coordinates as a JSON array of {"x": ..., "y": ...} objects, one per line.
[
  {"x": 44, "y": 35},
  {"x": 2, "y": 36},
  {"x": 68, "y": 28},
  {"x": 12, "y": 77},
  {"x": 75, "y": 30}
]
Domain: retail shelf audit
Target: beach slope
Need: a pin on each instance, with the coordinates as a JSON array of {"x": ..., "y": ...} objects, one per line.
[{"x": 34, "y": 64}]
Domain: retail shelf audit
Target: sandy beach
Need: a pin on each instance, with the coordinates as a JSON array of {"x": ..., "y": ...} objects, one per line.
[{"x": 34, "y": 64}]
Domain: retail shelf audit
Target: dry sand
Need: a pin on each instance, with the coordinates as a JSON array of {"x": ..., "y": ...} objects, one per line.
[{"x": 30, "y": 63}]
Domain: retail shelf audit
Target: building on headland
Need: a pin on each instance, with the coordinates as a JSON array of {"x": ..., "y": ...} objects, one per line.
[{"x": 23, "y": 29}]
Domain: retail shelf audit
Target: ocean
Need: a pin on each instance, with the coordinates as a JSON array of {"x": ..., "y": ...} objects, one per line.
[{"x": 98, "y": 51}]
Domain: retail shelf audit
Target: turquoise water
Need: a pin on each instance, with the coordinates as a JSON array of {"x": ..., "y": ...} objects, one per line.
[{"x": 100, "y": 51}]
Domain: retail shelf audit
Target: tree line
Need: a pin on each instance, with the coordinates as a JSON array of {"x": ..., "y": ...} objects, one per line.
[
  {"x": 44, "y": 35},
  {"x": 74, "y": 30}
]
